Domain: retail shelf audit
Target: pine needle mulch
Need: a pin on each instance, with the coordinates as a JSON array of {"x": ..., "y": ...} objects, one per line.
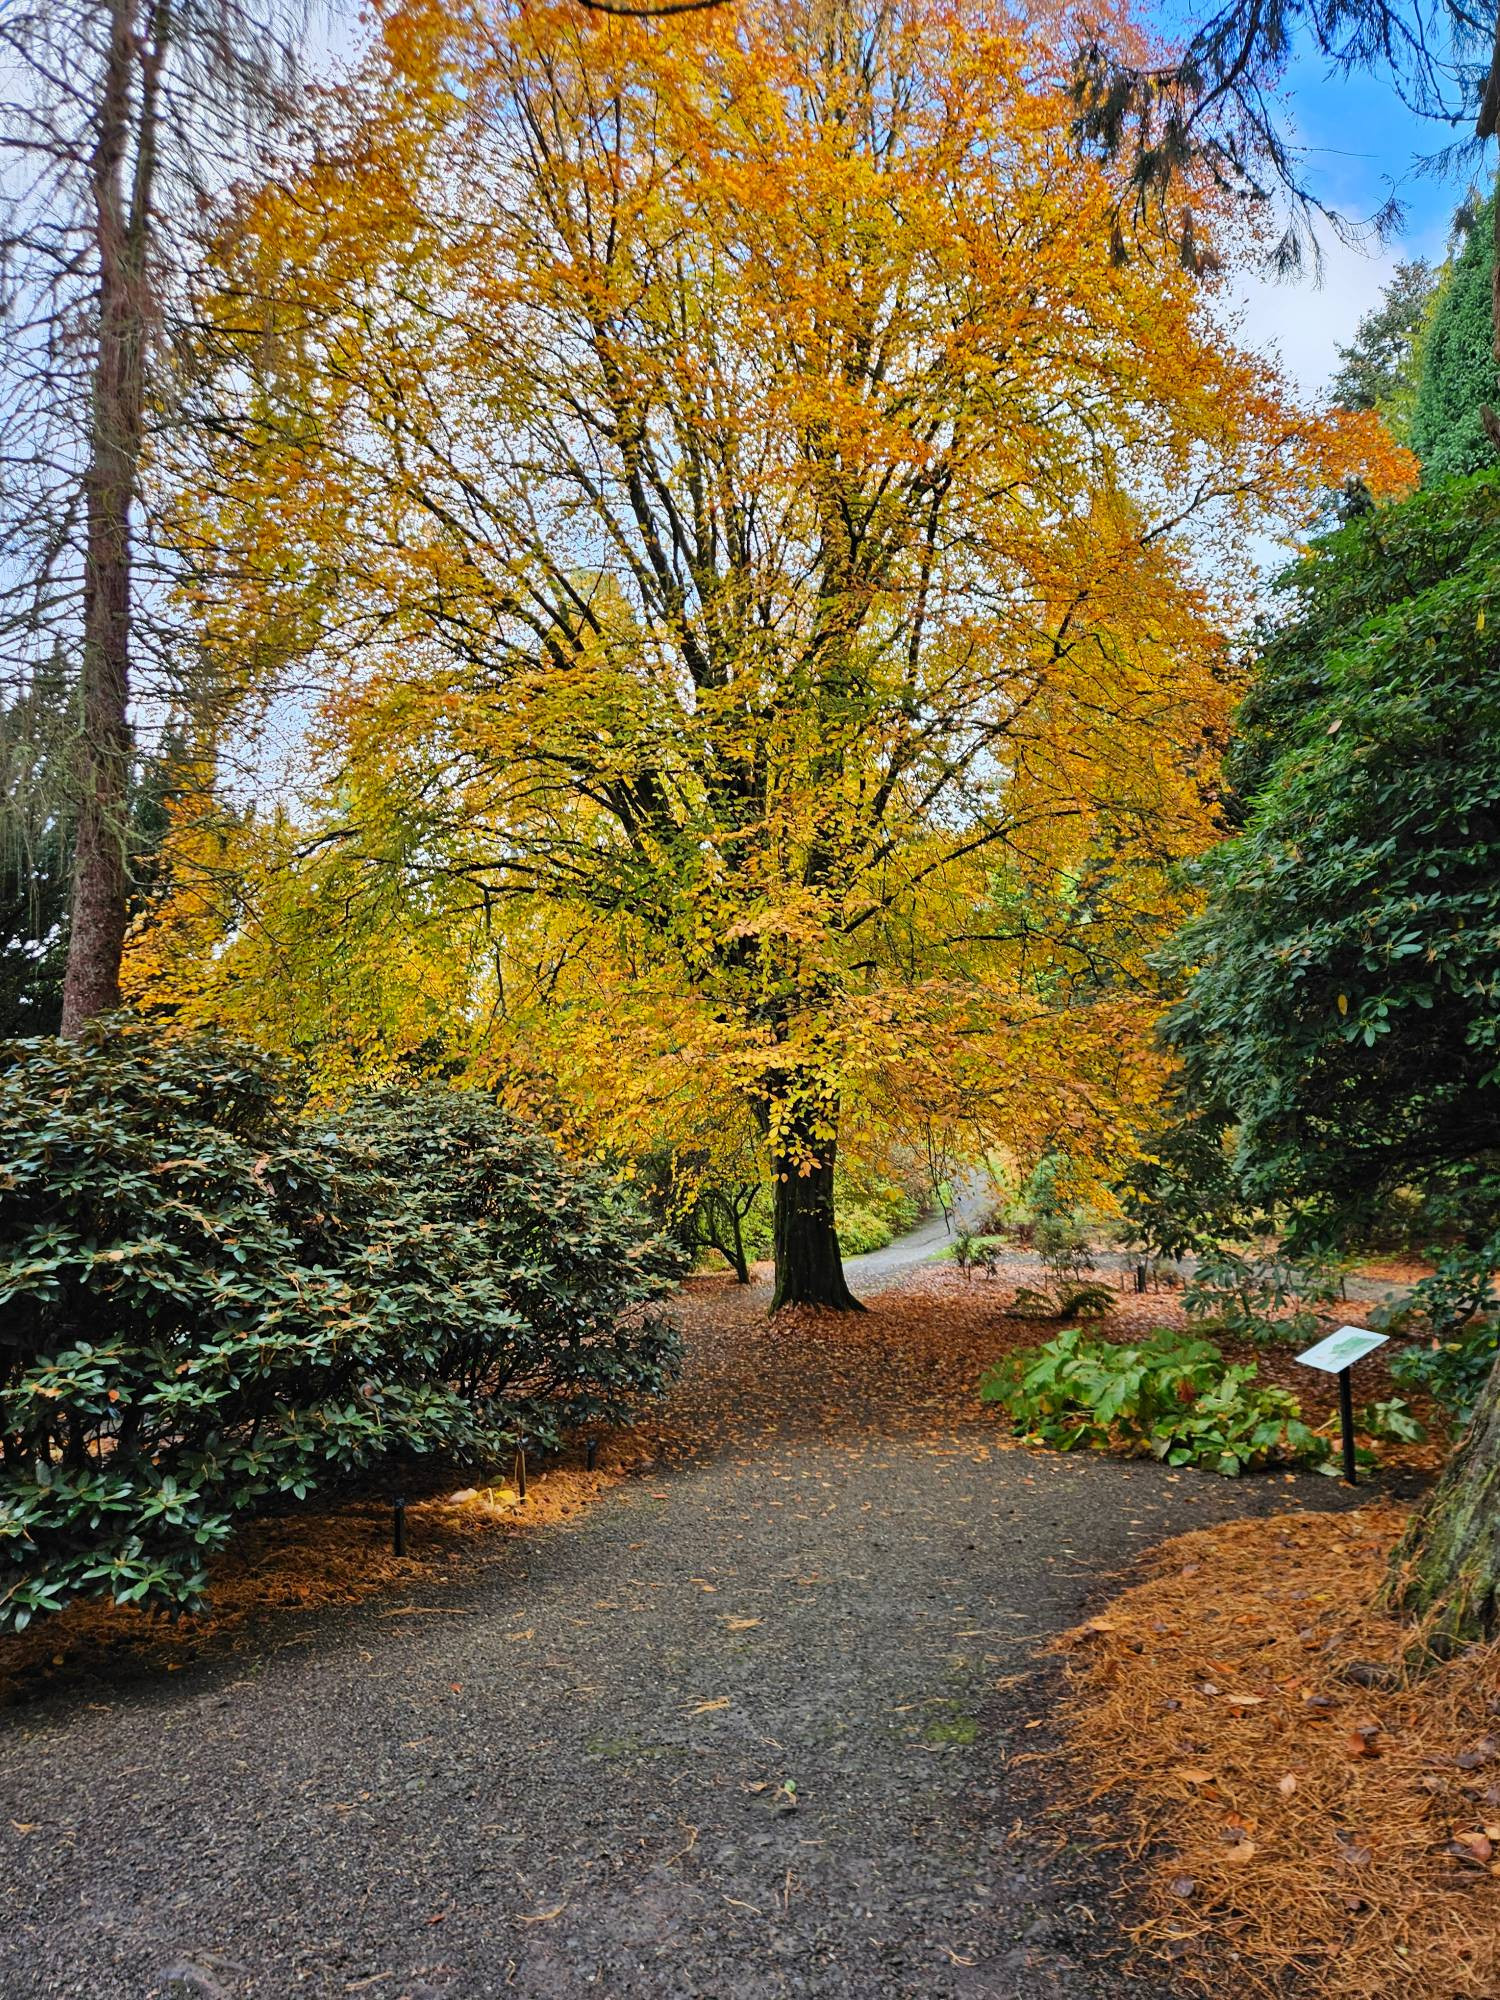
[{"x": 1305, "y": 1816}]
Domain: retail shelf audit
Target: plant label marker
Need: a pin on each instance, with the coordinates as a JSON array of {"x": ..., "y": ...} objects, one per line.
[
  {"x": 521, "y": 1471},
  {"x": 398, "y": 1526},
  {"x": 1336, "y": 1355},
  {"x": 591, "y": 1455}
]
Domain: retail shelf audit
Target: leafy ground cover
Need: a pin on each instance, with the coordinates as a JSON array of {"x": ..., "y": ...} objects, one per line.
[
  {"x": 1172, "y": 1395},
  {"x": 1302, "y": 1815}
]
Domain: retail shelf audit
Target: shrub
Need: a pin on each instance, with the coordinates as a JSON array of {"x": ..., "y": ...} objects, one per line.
[
  {"x": 1172, "y": 1396},
  {"x": 862, "y": 1230},
  {"x": 871, "y": 1211},
  {"x": 209, "y": 1305},
  {"x": 1063, "y": 1245},
  {"x": 1452, "y": 1371},
  {"x": 1458, "y": 1308},
  {"x": 1087, "y": 1302},
  {"x": 1262, "y": 1295},
  {"x": 564, "y": 1246},
  {"x": 973, "y": 1253}
]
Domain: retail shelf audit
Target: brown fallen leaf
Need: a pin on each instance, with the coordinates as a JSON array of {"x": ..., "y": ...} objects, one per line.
[
  {"x": 1242, "y": 1850},
  {"x": 742, "y": 1624},
  {"x": 707, "y": 1707},
  {"x": 1287, "y": 1785},
  {"x": 1244, "y": 1700},
  {"x": 1361, "y": 1743},
  {"x": 1474, "y": 1846},
  {"x": 1190, "y": 1776},
  {"x": 541, "y": 1916}
]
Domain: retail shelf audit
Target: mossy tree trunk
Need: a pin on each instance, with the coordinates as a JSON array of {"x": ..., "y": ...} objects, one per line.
[
  {"x": 121, "y": 218},
  {"x": 1445, "y": 1570}
]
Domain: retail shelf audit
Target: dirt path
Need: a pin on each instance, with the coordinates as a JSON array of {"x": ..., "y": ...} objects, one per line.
[{"x": 571, "y": 1769}]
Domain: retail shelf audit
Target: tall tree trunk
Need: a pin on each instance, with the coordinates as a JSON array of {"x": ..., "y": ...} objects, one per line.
[
  {"x": 809, "y": 1268},
  {"x": 122, "y": 220},
  {"x": 1446, "y": 1567}
]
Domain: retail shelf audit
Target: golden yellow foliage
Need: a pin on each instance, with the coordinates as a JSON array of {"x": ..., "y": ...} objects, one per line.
[{"x": 765, "y": 561}]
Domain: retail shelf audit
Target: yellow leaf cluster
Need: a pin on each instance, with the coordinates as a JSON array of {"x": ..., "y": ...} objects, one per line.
[{"x": 763, "y": 562}]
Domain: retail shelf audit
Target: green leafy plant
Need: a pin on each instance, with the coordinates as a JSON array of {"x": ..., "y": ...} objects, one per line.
[
  {"x": 1457, "y": 1309},
  {"x": 973, "y": 1252},
  {"x": 1452, "y": 1371},
  {"x": 1029, "y": 1303},
  {"x": 1170, "y": 1395},
  {"x": 1095, "y": 1301},
  {"x": 1258, "y": 1295},
  {"x": 1063, "y": 1245},
  {"x": 1391, "y": 1420},
  {"x": 209, "y": 1304}
]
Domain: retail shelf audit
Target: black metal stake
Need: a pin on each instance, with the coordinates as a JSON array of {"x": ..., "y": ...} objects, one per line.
[
  {"x": 521, "y": 1471},
  {"x": 591, "y": 1454},
  {"x": 1346, "y": 1424},
  {"x": 398, "y": 1526}
]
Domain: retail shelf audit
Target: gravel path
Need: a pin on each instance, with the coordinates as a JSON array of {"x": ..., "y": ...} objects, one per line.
[{"x": 745, "y": 1731}]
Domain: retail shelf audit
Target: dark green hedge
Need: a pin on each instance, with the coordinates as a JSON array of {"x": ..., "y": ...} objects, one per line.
[{"x": 208, "y": 1302}]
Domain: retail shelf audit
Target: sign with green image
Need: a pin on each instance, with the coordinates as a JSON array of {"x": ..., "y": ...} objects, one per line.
[{"x": 1341, "y": 1349}]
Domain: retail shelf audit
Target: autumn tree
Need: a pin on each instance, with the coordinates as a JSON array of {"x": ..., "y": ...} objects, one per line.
[{"x": 762, "y": 553}]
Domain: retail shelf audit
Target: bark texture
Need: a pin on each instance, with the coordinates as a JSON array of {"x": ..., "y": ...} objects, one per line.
[
  {"x": 1445, "y": 1570},
  {"x": 126, "y": 136},
  {"x": 809, "y": 1267}
]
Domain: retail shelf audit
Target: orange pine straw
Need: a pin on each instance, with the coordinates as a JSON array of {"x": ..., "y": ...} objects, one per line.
[{"x": 1306, "y": 1815}]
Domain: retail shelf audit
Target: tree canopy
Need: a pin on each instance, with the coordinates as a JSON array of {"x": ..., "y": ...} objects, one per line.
[
  {"x": 754, "y": 541},
  {"x": 1458, "y": 376},
  {"x": 1378, "y": 369},
  {"x": 1339, "y": 1012}
]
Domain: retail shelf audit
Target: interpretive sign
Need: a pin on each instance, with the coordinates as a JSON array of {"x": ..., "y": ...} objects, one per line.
[
  {"x": 1336, "y": 1356},
  {"x": 1342, "y": 1349}
]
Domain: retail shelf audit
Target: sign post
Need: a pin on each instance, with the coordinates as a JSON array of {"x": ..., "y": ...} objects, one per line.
[{"x": 1336, "y": 1356}]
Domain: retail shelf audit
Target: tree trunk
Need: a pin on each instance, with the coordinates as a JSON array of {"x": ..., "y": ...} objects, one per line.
[
  {"x": 96, "y": 940},
  {"x": 721, "y": 1229},
  {"x": 741, "y": 1262},
  {"x": 809, "y": 1269},
  {"x": 1446, "y": 1568}
]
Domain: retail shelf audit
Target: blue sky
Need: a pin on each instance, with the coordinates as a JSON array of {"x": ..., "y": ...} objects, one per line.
[{"x": 1360, "y": 142}]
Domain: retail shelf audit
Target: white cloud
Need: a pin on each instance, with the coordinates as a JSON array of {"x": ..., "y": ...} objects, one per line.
[{"x": 1304, "y": 322}]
